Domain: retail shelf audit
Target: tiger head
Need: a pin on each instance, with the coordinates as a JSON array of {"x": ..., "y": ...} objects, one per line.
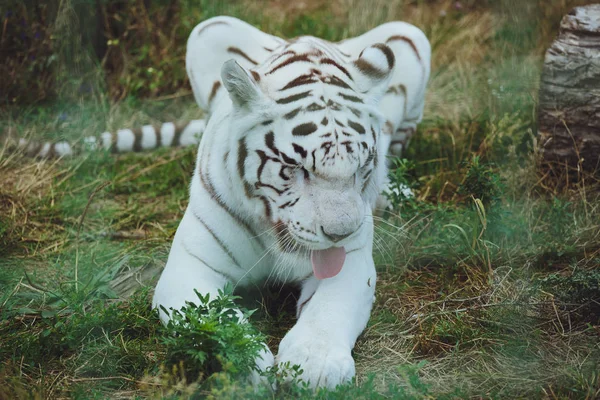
[{"x": 307, "y": 129}]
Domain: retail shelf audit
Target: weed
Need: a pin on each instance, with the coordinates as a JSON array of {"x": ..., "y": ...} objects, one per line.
[
  {"x": 400, "y": 189},
  {"x": 481, "y": 182},
  {"x": 211, "y": 333},
  {"x": 578, "y": 293}
]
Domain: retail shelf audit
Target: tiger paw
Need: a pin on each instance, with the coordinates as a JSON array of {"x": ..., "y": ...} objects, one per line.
[
  {"x": 323, "y": 362},
  {"x": 263, "y": 362}
]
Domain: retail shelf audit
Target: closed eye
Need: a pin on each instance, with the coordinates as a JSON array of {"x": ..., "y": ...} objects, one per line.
[
  {"x": 301, "y": 171},
  {"x": 286, "y": 172}
]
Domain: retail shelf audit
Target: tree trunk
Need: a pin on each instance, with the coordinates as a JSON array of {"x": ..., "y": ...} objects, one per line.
[{"x": 569, "y": 101}]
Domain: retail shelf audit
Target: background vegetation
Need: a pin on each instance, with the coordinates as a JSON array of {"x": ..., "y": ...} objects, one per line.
[{"x": 489, "y": 283}]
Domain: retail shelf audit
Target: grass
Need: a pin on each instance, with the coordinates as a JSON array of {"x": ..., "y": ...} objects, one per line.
[{"x": 488, "y": 278}]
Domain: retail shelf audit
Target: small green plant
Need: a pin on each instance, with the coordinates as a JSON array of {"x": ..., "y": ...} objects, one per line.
[
  {"x": 481, "y": 182},
  {"x": 578, "y": 293},
  {"x": 559, "y": 216},
  {"x": 210, "y": 334},
  {"x": 401, "y": 182}
]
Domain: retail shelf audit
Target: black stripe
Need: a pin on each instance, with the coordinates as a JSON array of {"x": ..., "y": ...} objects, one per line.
[
  {"x": 357, "y": 127},
  {"x": 290, "y": 203},
  {"x": 137, "y": 141},
  {"x": 285, "y": 53},
  {"x": 287, "y": 159},
  {"x": 229, "y": 277},
  {"x": 315, "y": 107},
  {"x": 207, "y": 185},
  {"x": 406, "y": 40},
  {"x": 299, "y": 81},
  {"x": 366, "y": 68},
  {"x": 291, "y": 60},
  {"x": 270, "y": 142},
  {"x": 211, "y": 24},
  {"x": 241, "y": 166},
  {"x": 299, "y": 149},
  {"x": 294, "y": 97},
  {"x": 334, "y": 80},
  {"x": 267, "y": 207},
  {"x": 338, "y": 66},
  {"x": 179, "y": 128},
  {"x": 213, "y": 91},
  {"x": 334, "y": 105},
  {"x": 350, "y": 98},
  {"x": 389, "y": 54},
  {"x": 158, "y": 134},
  {"x": 370, "y": 157},
  {"x": 34, "y": 148},
  {"x": 292, "y": 113},
  {"x": 217, "y": 239},
  {"x": 237, "y": 51},
  {"x": 304, "y": 129},
  {"x": 52, "y": 151},
  {"x": 355, "y": 111},
  {"x": 366, "y": 184},
  {"x": 113, "y": 142}
]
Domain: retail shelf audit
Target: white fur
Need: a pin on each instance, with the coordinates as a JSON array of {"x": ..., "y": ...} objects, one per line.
[
  {"x": 225, "y": 236},
  {"x": 191, "y": 133},
  {"x": 125, "y": 139},
  {"x": 63, "y": 149},
  {"x": 106, "y": 138},
  {"x": 148, "y": 137},
  {"x": 167, "y": 132}
]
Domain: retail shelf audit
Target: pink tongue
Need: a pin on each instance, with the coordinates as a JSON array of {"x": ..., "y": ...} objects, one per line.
[{"x": 328, "y": 263}]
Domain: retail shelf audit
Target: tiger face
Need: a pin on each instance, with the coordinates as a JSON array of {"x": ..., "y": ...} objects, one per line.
[{"x": 308, "y": 148}]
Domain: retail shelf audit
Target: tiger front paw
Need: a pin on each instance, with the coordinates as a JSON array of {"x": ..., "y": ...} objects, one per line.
[
  {"x": 323, "y": 362},
  {"x": 263, "y": 362}
]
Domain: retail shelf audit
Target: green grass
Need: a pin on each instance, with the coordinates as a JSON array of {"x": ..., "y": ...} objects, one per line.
[{"x": 488, "y": 279}]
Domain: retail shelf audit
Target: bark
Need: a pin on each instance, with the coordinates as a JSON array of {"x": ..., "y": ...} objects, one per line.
[{"x": 569, "y": 101}]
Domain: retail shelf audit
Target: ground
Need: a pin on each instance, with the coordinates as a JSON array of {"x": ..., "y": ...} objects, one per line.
[{"x": 488, "y": 285}]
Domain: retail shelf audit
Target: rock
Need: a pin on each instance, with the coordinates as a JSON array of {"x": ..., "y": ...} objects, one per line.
[{"x": 569, "y": 99}]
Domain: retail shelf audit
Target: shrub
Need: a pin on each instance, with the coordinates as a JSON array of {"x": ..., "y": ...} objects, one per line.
[
  {"x": 481, "y": 182},
  {"x": 211, "y": 334}
]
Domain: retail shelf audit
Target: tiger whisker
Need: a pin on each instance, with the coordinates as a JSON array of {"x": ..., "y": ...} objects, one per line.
[
  {"x": 381, "y": 230},
  {"x": 266, "y": 231},
  {"x": 265, "y": 253},
  {"x": 283, "y": 243},
  {"x": 377, "y": 242}
]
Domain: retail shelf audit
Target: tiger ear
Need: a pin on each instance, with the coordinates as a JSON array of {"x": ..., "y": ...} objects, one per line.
[
  {"x": 243, "y": 89},
  {"x": 375, "y": 66}
]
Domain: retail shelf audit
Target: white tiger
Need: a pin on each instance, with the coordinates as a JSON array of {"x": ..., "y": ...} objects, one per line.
[{"x": 288, "y": 170}]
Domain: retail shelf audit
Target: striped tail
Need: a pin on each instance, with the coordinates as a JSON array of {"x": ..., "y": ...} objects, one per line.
[{"x": 148, "y": 137}]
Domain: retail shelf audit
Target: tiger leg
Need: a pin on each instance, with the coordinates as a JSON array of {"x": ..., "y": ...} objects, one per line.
[
  {"x": 332, "y": 313},
  {"x": 192, "y": 267},
  {"x": 215, "y": 41}
]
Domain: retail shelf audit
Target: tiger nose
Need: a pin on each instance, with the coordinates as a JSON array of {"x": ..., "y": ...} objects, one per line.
[{"x": 335, "y": 237}]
